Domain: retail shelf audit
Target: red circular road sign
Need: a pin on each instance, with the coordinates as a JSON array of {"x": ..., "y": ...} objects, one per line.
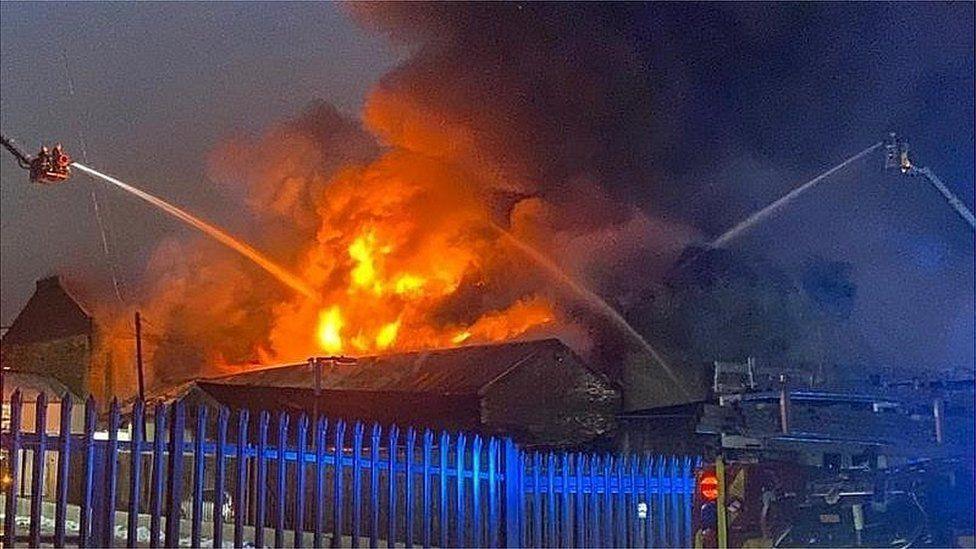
[{"x": 708, "y": 486}]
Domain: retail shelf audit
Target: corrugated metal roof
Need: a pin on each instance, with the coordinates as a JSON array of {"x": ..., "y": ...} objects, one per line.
[{"x": 458, "y": 371}]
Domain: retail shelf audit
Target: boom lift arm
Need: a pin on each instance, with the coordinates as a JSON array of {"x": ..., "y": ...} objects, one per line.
[
  {"x": 897, "y": 157},
  {"x": 22, "y": 159}
]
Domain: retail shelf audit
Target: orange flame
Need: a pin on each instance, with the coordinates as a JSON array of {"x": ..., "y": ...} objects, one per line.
[{"x": 396, "y": 241}]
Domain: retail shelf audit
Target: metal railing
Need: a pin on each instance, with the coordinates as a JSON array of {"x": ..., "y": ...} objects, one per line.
[{"x": 197, "y": 477}]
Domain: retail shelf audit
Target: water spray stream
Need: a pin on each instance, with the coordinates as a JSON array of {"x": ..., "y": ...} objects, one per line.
[
  {"x": 592, "y": 299},
  {"x": 217, "y": 234},
  {"x": 789, "y": 197}
]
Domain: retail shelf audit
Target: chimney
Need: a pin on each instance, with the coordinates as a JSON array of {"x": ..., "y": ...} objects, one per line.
[{"x": 49, "y": 283}]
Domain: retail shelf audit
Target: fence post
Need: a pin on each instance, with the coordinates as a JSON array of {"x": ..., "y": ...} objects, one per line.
[
  {"x": 174, "y": 494},
  {"x": 318, "y": 505},
  {"x": 357, "y": 482},
  {"x": 374, "y": 486},
  {"x": 648, "y": 524},
  {"x": 445, "y": 446},
  {"x": 513, "y": 494},
  {"x": 408, "y": 487},
  {"x": 10, "y": 512},
  {"x": 579, "y": 522},
  {"x": 261, "y": 495},
  {"x": 280, "y": 486},
  {"x": 135, "y": 472},
  {"x": 339, "y": 443},
  {"x": 111, "y": 474},
  {"x": 566, "y": 527},
  {"x": 199, "y": 461},
  {"x": 301, "y": 436},
  {"x": 64, "y": 461},
  {"x": 220, "y": 476},
  {"x": 156, "y": 498},
  {"x": 425, "y": 491},
  {"x": 551, "y": 514},
  {"x": 476, "y": 492},
  {"x": 240, "y": 481},
  {"x": 537, "y": 499},
  {"x": 393, "y": 435},
  {"x": 85, "y": 526},
  {"x": 493, "y": 492},
  {"x": 37, "y": 474}
]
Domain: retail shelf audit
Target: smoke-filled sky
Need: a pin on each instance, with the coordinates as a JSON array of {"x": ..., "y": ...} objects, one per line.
[{"x": 691, "y": 115}]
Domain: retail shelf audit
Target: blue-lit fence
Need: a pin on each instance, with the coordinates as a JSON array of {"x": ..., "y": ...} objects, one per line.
[{"x": 174, "y": 476}]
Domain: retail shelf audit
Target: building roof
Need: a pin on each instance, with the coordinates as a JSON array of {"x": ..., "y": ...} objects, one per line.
[
  {"x": 456, "y": 371},
  {"x": 51, "y": 313},
  {"x": 31, "y": 385}
]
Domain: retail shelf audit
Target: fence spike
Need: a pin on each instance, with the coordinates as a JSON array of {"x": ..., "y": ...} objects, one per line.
[
  {"x": 393, "y": 434},
  {"x": 408, "y": 498},
  {"x": 298, "y": 521},
  {"x": 261, "y": 495},
  {"x": 174, "y": 492},
  {"x": 579, "y": 520},
  {"x": 374, "y": 485},
  {"x": 241, "y": 502},
  {"x": 337, "y": 478},
  {"x": 357, "y": 481},
  {"x": 135, "y": 471},
  {"x": 64, "y": 463},
  {"x": 10, "y": 526},
  {"x": 318, "y": 505},
  {"x": 220, "y": 476},
  {"x": 428, "y": 445},
  {"x": 88, "y": 490},
  {"x": 461, "y": 526},
  {"x": 537, "y": 499},
  {"x": 565, "y": 527},
  {"x": 156, "y": 501},
  {"x": 493, "y": 525},
  {"x": 199, "y": 461},
  {"x": 550, "y": 507},
  {"x": 445, "y": 446},
  {"x": 476, "y": 532},
  {"x": 280, "y": 472},
  {"x": 37, "y": 470}
]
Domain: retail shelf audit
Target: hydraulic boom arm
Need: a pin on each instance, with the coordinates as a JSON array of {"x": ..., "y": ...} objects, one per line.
[
  {"x": 898, "y": 158},
  {"x": 23, "y": 160},
  {"x": 952, "y": 199}
]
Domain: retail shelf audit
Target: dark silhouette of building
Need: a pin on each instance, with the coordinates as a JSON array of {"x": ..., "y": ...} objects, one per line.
[{"x": 539, "y": 392}]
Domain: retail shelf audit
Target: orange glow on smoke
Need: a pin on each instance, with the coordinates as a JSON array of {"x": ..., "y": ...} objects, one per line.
[{"x": 396, "y": 241}]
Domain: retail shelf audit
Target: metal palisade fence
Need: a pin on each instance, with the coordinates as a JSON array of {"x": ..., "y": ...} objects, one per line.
[{"x": 171, "y": 475}]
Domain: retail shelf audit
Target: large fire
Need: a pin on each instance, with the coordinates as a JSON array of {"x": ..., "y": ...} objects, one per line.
[
  {"x": 393, "y": 218},
  {"x": 397, "y": 239}
]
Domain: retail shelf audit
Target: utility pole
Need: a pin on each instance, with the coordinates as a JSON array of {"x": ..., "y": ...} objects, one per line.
[
  {"x": 315, "y": 363},
  {"x": 142, "y": 386}
]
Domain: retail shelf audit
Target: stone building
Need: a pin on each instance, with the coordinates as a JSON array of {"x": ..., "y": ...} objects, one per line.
[{"x": 55, "y": 336}]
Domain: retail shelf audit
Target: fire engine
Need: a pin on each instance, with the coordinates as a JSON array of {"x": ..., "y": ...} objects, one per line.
[{"x": 888, "y": 465}]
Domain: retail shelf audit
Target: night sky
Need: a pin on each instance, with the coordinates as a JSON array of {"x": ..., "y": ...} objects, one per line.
[{"x": 748, "y": 100}]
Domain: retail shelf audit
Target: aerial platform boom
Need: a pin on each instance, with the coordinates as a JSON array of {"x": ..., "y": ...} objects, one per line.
[{"x": 897, "y": 157}]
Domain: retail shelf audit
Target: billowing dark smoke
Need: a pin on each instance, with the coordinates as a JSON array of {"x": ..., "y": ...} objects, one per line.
[
  {"x": 552, "y": 102},
  {"x": 593, "y": 132},
  {"x": 527, "y": 117}
]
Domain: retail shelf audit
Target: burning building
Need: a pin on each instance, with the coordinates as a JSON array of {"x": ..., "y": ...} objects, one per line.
[{"x": 539, "y": 392}]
